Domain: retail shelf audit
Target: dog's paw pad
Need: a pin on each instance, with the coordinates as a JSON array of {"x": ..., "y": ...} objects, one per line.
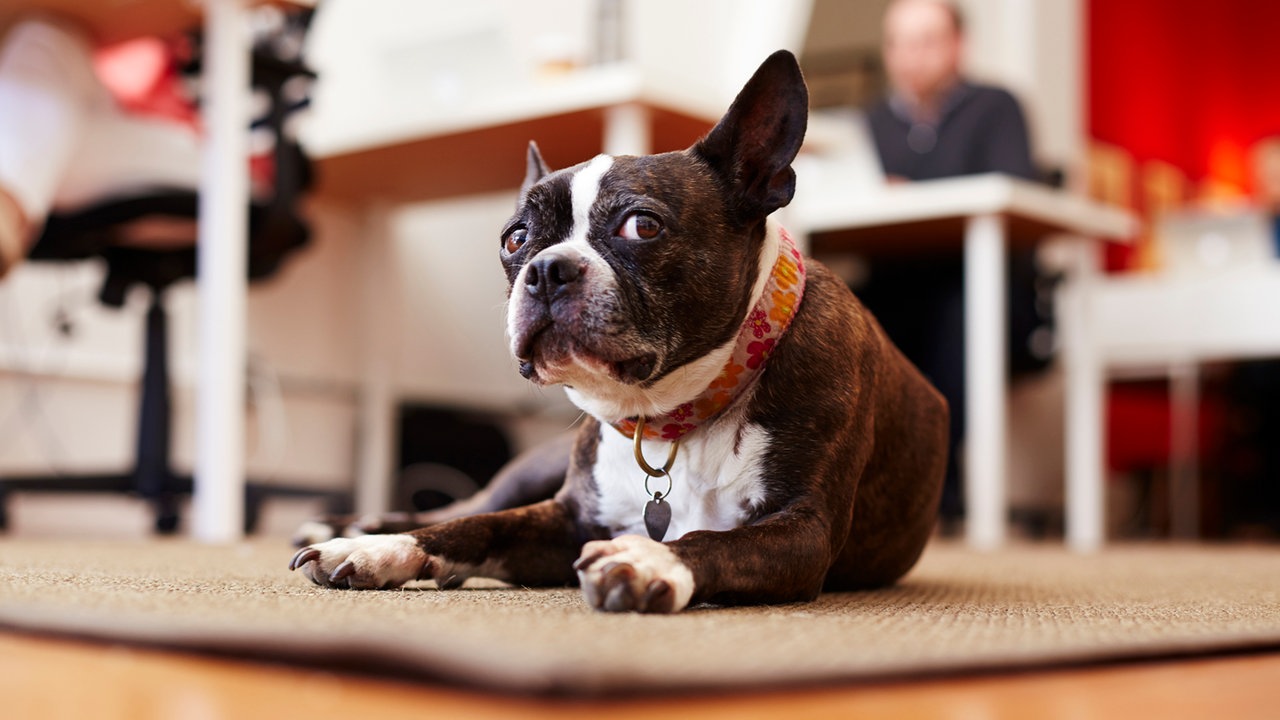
[
  {"x": 633, "y": 574},
  {"x": 362, "y": 563}
]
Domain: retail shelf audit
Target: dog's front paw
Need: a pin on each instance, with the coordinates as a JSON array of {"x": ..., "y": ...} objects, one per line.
[
  {"x": 633, "y": 573},
  {"x": 363, "y": 563}
]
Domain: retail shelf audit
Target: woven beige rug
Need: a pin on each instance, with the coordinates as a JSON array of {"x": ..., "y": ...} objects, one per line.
[{"x": 958, "y": 611}]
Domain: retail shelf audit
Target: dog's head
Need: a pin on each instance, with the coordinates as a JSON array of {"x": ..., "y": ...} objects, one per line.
[{"x": 625, "y": 271}]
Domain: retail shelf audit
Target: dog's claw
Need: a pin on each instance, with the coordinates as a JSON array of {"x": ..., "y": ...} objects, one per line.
[
  {"x": 303, "y": 556},
  {"x": 587, "y": 561},
  {"x": 617, "y": 573},
  {"x": 619, "y": 599},
  {"x": 657, "y": 597},
  {"x": 633, "y": 573},
  {"x": 343, "y": 571}
]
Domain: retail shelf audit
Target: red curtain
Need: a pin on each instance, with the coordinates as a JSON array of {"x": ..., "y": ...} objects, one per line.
[{"x": 1191, "y": 82}]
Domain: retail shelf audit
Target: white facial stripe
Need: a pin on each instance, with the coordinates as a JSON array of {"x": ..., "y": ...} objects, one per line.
[{"x": 583, "y": 191}]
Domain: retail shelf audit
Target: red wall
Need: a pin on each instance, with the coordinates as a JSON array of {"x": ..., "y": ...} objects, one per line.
[{"x": 1191, "y": 82}]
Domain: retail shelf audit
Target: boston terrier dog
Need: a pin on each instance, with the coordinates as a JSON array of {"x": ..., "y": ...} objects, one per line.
[{"x": 751, "y": 435}]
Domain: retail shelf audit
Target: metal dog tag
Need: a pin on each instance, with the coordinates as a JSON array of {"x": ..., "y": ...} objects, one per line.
[{"x": 657, "y": 517}]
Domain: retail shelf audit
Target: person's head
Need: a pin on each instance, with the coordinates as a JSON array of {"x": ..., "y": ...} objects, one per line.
[
  {"x": 1266, "y": 169},
  {"x": 923, "y": 42}
]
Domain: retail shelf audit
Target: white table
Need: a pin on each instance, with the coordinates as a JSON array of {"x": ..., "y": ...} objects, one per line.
[
  {"x": 436, "y": 152},
  {"x": 1159, "y": 324},
  {"x": 988, "y": 212},
  {"x": 223, "y": 226}
]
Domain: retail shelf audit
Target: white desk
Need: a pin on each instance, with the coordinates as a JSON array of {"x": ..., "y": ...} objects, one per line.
[
  {"x": 1157, "y": 319},
  {"x": 988, "y": 212},
  {"x": 443, "y": 152},
  {"x": 1165, "y": 324}
]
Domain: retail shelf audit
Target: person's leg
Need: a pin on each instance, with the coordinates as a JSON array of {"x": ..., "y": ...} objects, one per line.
[
  {"x": 920, "y": 305},
  {"x": 944, "y": 365},
  {"x": 47, "y": 86}
]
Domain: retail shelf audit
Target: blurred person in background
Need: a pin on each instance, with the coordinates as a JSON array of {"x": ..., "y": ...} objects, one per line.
[
  {"x": 934, "y": 123},
  {"x": 1266, "y": 171}
]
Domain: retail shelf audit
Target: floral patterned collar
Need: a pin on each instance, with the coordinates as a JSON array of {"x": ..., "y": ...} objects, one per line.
[{"x": 759, "y": 336}]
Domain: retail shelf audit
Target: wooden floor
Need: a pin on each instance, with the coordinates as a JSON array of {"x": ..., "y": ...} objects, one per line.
[{"x": 50, "y": 678}]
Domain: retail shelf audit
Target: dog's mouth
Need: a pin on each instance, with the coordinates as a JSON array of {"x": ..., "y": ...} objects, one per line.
[
  {"x": 526, "y": 352},
  {"x": 544, "y": 351},
  {"x": 637, "y": 369}
]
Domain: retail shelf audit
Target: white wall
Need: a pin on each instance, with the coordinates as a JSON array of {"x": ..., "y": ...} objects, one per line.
[
  {"x": 1036, "y": 49},
  {"x": 394, "y": 59},
  {"x": 385, "y": 60},
  {"x": 450, "y": 296},
  {"x": 709, "y": 48}
]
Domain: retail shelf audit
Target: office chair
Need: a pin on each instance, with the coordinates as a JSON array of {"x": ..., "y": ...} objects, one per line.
[{"x": 275, "y": 232}]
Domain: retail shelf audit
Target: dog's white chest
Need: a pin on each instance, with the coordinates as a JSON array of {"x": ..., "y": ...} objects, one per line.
[{"x": 715, "y": 482}]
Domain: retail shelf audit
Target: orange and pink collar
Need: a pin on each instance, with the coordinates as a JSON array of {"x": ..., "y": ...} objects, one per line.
[{"x": 759, "y": 336}]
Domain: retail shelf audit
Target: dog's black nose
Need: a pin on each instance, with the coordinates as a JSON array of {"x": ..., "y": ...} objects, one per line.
[{"x": 548, "y": 276}]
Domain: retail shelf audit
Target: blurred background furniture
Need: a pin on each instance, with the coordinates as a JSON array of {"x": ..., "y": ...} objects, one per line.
[
  {"x": 989, "y": 213},
  {"x": 1215, "y": 299},
  {"x": 275, "y": 230},
  {"x": 222, "y": 219}
]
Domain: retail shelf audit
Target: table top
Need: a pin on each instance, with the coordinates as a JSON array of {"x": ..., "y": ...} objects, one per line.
[
  {"x": 435, "y": 153},
  {"x": 933, "y": 212},
  {"x": 110, "y": 21},
  {"x": 1140, "y": 320}
]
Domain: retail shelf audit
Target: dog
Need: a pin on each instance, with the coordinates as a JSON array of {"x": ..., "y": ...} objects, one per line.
[{"x": 751, "y": 435}]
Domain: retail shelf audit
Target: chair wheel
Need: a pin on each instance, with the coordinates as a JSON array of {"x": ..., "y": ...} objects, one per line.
[{"x": 166, "y": 522}]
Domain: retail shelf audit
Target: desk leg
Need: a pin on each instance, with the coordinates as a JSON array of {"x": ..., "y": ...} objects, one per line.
[
  {"x": 1184, "y": 430},
  {"x": 223, "y": 229},
  {"x": 986, "y": 360},
  {"x": 1084, "y": 406},
  {"x": 380, "y": 312},
  {"x": 627, "y": 130}
]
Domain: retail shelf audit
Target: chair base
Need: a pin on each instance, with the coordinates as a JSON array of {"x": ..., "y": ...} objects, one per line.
[{"x": 167, "y": 517}]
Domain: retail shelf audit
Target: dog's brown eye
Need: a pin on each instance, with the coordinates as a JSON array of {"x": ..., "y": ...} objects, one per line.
[
  {"x": 514, "y": 239},
  {"x": 640, "y": 226}
]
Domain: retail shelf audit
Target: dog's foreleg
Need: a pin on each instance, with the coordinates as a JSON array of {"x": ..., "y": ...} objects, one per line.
[
  {"x": 532, "y": 545},
  {"x": 783, "y": 558},
  {"x": 533, "y": 476}
]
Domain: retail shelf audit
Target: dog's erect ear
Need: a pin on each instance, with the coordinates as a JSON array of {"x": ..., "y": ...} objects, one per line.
[
  {"x": 535, "y": 168},
  {"x": 754, "y": 143}
]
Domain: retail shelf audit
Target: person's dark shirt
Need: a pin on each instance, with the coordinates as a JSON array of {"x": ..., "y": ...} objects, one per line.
[{"x": 981, "y": 129}]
